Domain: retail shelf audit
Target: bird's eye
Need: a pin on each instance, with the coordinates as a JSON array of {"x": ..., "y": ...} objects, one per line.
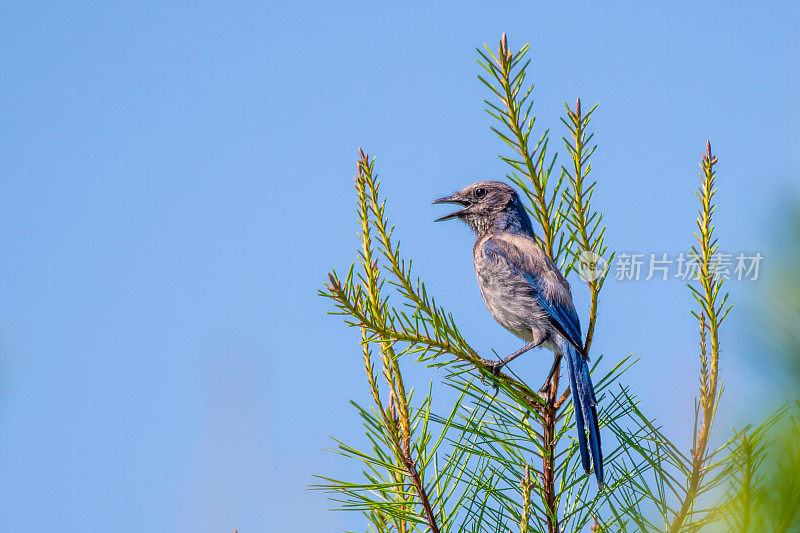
[{"x": 479, "y": 193}]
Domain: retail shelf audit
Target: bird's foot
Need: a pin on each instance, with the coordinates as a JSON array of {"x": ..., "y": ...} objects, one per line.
[{"x": 494, "y": 368}]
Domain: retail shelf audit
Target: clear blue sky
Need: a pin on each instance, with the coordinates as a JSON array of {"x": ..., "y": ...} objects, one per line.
[{"x": 175, "y": 182}]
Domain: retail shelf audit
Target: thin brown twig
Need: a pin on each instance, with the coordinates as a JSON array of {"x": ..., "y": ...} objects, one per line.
[{"x": 549, "y": 416}]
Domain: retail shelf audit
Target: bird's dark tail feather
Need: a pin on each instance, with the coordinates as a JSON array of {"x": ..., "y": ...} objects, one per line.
[{"x": 585, "y": 405}]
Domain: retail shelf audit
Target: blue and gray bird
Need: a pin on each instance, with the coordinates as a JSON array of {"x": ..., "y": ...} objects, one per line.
[{"x": 525, "y": 292}]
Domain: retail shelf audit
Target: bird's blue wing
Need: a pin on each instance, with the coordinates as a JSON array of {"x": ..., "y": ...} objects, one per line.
[{"x": 562, "y": 315}]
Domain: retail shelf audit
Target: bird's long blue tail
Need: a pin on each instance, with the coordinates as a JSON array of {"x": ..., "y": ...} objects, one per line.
[{"x": 585, "y": 405}]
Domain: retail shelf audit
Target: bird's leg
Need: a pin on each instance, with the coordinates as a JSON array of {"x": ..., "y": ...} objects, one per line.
[
  {"x": 544, "y": 392},
  {"x": 496, "y": 366}
]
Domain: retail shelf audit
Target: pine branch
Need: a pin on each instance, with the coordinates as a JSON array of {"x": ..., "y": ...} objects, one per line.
[
  {"x": 710, "y": 317},
  {"x": 508, "y": 71},
  {"x": 583, "y": 221},
  {"x": 394, "y": 377}
]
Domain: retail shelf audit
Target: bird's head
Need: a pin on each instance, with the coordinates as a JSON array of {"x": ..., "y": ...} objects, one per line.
[{"x": 488, "y": 206}]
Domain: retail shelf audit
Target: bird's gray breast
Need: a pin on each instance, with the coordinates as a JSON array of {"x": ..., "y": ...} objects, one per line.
[{"x": 508, "y": 295}]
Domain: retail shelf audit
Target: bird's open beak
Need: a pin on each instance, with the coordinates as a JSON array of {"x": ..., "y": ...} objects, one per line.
[{"x": 452, "y": 199}]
